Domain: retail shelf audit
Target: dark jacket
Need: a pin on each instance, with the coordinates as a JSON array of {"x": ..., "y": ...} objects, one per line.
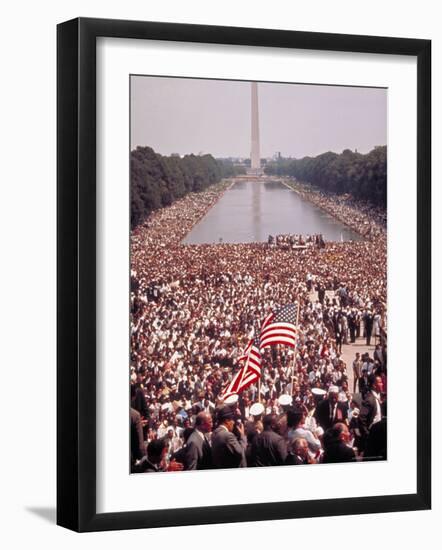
[
  {"x": 198, "y": 454},
  {"x": 147, "y": 466},
  {"x": 367, "y": 414},
  {"x": 322, "y": 414},
  {"x": 368, "y": 322},
  {"x": 139, "y": 403},
  {"x": 227, "y": 451},
  {"x": 376, "y": 445},
  {"x": 338, "y": 452},
  {"x": 268, "y": 449},
  {"x": 137, "y": 450},
  {"x": 294, "y": 460}
]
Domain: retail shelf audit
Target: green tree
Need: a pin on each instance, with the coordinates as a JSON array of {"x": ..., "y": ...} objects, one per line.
[
  {"x": 157, "y": 181},
  {"x": 362, "y": 176}
]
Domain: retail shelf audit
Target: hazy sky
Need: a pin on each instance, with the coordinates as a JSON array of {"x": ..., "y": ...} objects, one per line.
[{"x": 180, "y": 115}]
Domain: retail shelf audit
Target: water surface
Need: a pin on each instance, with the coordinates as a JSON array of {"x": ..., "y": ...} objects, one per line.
[{"x": 250, "y": 212}]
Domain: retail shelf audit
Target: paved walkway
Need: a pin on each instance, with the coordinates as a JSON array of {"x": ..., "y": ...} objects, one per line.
[
  {"x": 349, "y": 350},
  {"x": 348, "y": 356}
]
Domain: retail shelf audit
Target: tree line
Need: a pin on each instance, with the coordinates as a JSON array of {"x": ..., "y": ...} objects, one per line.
[
  {"x": 362, "y": 176},
  {"x": 157, "y": 180}
]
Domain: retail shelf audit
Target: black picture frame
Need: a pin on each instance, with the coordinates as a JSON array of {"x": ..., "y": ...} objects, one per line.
[{"x": 76, "y": 273}]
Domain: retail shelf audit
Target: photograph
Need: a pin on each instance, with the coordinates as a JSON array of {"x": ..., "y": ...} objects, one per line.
[
  {"x": 226, "y": 215},
  {"x": 258, "y": 274}
]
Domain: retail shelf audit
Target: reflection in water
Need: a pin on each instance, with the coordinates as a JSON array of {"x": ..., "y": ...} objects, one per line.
[
  {"x": 256, "y": 213},
  {"x": 239, "y": 186},
  {"x": 273, "y": 186},
  {"x": 250, "y": 211}
]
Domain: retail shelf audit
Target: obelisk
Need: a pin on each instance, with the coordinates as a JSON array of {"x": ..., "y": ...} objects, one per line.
[{"x": 255, "y": 157}]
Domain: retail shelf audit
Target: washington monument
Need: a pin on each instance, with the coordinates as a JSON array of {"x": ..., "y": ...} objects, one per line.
[{"x": 255, "y": 156}]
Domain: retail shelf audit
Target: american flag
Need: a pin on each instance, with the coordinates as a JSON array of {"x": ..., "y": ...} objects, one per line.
[
  {"x": 249, "y": 373},
  {"x": 279, "y": 328}
]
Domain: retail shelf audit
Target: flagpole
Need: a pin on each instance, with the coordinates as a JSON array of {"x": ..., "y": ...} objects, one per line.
[
  {"x": 262, "y": 365},
  {"x": 294, "y": 349}
]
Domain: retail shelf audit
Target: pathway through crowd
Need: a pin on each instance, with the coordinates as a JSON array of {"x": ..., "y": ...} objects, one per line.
[{"x": 349, "y": 350}]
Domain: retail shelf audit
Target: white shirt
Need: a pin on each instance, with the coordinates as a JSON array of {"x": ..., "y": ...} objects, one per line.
[
  {"x": 378, "y": 415},
  {"x": 313, "y": 443},
  {"x": 332, "y": 410}
]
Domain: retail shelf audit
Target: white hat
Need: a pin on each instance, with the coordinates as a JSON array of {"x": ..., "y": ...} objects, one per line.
[
  {"x": 333, "y": 389},
  {"x": 231, "y": 399},
  {"x": 256, "y": 409},
  {"x": 318, "y": 391},
  {"x": 285, "y": 400}
]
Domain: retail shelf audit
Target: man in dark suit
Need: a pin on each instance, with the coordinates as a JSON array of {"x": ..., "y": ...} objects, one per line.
[
  {"x": 156, "y": 453},
  {"x": 330, "y": 410},
  {"x": 371, "y": 411},
  {"x": 156, "y": 456},
  {"x": 269, "y": 448},
  {"x": 198, "y": 454},
  {"x": 376, "y": 445},
  {"x": 368, "y": 325},
  {"x": 228, "y": 450},
  {"x": 137, "y": 450},
  {"x": 138, "y": 400},
  {"x": 321, "y": 293},
  {"x": 352, "y": 325},
  {"x": 336, "y": 447}
]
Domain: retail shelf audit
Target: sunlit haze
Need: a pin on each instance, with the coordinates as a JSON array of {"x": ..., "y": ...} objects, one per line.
[{"x": 183, "y": 115}]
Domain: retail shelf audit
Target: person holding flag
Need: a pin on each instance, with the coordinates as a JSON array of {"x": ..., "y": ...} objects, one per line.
[{"x": 277, "y": 328}]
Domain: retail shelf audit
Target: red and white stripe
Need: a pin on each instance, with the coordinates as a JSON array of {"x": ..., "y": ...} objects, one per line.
[
  {"x": 277, "y": 333},
  {"x": 249, "y": 373}
]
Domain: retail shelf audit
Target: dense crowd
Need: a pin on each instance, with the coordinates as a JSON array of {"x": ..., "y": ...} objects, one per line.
[
  {"x": 193, "y": 310},
  {"x": 294, "y": 240},
  {"x": 364, "y": 218}
]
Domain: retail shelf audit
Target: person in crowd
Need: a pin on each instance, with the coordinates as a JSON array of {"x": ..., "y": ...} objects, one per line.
[
  {"x": 194, "y": 308},
  {"x": 228, "y": 449},
  {"x": 371, "y": 409},
  {"x": 357, "y": 372},
  {"x": 269, "y": 448},
  {"x": 138, "y": 399},
  {"x": 198, "y": 454},
  {"x": 339, "y": 332},
  {"x": 352, "y": 325},
  {"x": 156, "y": 454},
  {"x": 368, "y": 325},
  {"x": 321, "y": 293},
  {"x": 376, "y": 443},
  {"x": 330, "y": 410},
  {"x": 155, "y": 461},
  {"x": 299, "y": 453},
  {"x": 378, "y": 355},
  {"x": 180, "y": 454},
  {"x": 336, "y": 445},
  {"x": 296, "y": 429},
  {"x": 377, "y": 320},
  {"x": 137, "y": 450}
]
